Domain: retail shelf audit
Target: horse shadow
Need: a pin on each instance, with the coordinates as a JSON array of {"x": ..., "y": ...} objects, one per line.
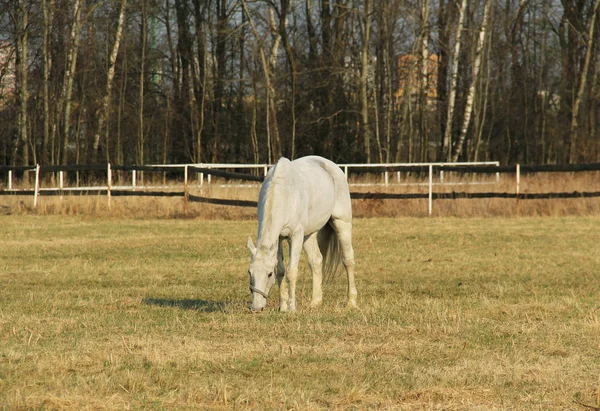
[{"x": 206, "y": 306}]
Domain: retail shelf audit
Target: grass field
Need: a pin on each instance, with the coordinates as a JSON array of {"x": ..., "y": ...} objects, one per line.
[{"x": 117, "y": 313}]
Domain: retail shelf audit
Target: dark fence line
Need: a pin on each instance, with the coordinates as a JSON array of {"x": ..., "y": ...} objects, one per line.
[
  {"x": 354, "y": 195},
  {"x": 221, "y": 201},
  {"x": 487, "y": 169},
  {"x": 456, "y": 195}
]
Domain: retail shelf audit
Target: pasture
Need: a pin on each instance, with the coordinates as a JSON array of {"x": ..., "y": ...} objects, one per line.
[{"x": 481, "y": 313}]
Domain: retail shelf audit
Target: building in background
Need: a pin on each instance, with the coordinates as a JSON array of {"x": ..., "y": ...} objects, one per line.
[{"x": 410, "y": 77}]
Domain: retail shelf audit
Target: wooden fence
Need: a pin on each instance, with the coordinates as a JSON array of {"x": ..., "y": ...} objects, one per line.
[{"x": 217, "y": 170}]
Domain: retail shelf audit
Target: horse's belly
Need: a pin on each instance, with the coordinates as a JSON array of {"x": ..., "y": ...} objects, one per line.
[{"x": 322, "y": 200}]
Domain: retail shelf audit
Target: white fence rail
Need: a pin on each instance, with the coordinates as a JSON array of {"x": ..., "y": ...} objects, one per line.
[{"x": 386, "y": 170}]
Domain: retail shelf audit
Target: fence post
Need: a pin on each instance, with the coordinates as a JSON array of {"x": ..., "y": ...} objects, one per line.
[
  {"x": 133, "y": 178},
  {"x": 61, "y": 184},
  {"x": 36, "y": 189},
  {"x": 185, "y": 190},
  {"x": 10, "y": 179},
  {"x": 346, "y": 171},
  {"x": 266, "y": 170},
  {"x": 108, "y": 182},
  {"x": 387, "y": 178},
  {"x": 518, "y": 178},
  {"x": 430, "y": 199}
]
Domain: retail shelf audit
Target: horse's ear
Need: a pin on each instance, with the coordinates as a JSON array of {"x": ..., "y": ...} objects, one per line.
[{"x": 251, "y": 247}]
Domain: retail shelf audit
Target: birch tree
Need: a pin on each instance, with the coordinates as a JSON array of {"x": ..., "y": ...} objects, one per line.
[
  {"x": 105, "y": 108},
  {"x": 48, "y": 13},
  {"x": 474, "y": 77},
  {"x": 67, "y": 89},
  {"x": 447, "y": 142}
]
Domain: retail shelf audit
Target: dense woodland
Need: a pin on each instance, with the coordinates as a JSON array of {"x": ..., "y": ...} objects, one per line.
[{"x": 173, "y": 81}]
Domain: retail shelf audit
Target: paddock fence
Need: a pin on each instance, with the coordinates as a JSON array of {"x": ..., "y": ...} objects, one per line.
[{"x": 435, "y": 175}]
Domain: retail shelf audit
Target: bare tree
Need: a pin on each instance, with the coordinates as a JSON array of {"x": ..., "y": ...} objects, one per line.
[
  {"x": 583, "y": 81},
  {"x": 273, "y": 143},
  {"x": 447, "y": 142},
  {"x": 105, "y": 108},
  {"x": 474, "y": 77},
  {"x": 364, "y": 76},
  {"x": 22, "y": 58},
  {"x": 67, "y": 89}
]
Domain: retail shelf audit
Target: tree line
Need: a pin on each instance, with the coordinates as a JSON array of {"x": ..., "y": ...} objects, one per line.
[{"x": 178, "y": 81}]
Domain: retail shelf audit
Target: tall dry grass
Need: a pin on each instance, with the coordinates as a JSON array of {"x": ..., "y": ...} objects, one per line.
[{"x": 173, "y": 207}]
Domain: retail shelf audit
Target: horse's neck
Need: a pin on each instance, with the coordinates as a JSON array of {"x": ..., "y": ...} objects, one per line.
[{"x": 272, "y": 215}]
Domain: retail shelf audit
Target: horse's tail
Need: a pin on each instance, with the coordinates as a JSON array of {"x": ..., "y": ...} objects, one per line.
[{"x": 331, "y": 249}]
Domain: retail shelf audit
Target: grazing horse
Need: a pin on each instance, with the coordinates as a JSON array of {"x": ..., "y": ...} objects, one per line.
[{"x": 307, "y": 202}]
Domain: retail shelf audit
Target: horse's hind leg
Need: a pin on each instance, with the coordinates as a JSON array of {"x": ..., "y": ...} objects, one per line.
[
  {"x": 315, "y": 262},
  {"x": 343, "y": 230}
]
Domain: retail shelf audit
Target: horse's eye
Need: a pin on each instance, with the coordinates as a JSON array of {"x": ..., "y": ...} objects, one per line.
[{"x": 270, "y": 275}]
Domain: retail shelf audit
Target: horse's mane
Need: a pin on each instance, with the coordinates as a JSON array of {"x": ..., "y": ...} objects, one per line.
[{"x": 274, "y": 178}]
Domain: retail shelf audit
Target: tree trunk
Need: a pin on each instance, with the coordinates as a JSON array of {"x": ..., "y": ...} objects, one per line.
[
  {"x": 199, "y": 79},
  {"x": 447, "y": 142},
  {"x": 442, "y": 74},
  {"x": 364, "y": 78},
  {"x": 142, "y": 80},
  {"x": 48, "y": 12},
  {"x": 424, "y": 92},
  {"x": 285, "y": 9},
  {"x": 105, "y": 109},
  {"x": 582, "y": 83},
  {"x": 474, "y": 79},
  {"x": 22, "y": 77},
  {"x": 69, "y": 77},
  {"x": 274, "y": 150}
]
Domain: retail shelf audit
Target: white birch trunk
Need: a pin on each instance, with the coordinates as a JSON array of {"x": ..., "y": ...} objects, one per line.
[
  {"x": 424, "y": 78},
  {"x": 474, "y": 78},
  {"x": 105, "y": 109},
  {"x": 69, "y": 74},
  {"x": 453, "y": 82},
  {"x": 46, "y": 75}
]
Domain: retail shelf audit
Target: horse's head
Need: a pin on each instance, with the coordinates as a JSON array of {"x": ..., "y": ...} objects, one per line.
[{"x": 262, "y": 274}]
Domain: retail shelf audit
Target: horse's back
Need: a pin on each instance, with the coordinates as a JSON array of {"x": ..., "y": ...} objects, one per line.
[{"x": 331, "y": 180}]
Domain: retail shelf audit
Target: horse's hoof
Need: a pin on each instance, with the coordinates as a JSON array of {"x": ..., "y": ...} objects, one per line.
[{"x": 316, "y": 303}]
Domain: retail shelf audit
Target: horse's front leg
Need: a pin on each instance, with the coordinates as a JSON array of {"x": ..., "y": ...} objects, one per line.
[{"x": 288, "y": 302}]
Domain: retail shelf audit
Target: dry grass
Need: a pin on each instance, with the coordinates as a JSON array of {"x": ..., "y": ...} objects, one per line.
[
  {"x": 100, "y": 313},
  {"x": 134, "y": 207}
]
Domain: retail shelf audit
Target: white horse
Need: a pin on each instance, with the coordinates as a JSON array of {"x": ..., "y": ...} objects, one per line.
[{"x": 307, "y": 202}]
